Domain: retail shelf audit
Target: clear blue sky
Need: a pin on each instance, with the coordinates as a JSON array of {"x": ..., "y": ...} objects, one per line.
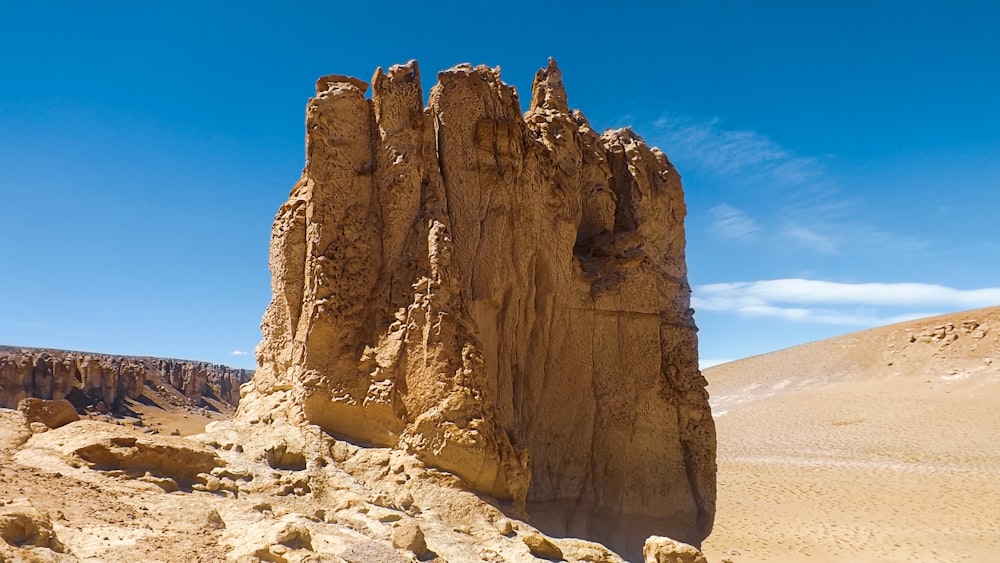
[{"x": 841, "y": 159}]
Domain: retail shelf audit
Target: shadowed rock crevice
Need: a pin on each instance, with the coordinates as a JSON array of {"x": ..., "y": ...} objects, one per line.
[{"x": 503, "y": 295}]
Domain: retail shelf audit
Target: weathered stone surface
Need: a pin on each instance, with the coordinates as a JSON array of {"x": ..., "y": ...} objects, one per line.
[
  {"x": 541, "y": 546},
  {"x": 14, "y": 429},
  {"x": 105, "y": 381},
  {"x": 22, "y": 525},
  {"x": 50, "y": 413},
  {"x": 503, "y": 295},
  {"x": 115, "y": 448},
  {"x": 410, "y": 537},
  {"x": 658, "y": 549}
]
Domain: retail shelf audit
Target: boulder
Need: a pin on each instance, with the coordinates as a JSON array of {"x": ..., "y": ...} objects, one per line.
[
  {"x": 659, "y": 549},
  {"x": 541, "y": 546},
  {"x": 410, "y": 537},
  {"x": 50, "y": 413}
]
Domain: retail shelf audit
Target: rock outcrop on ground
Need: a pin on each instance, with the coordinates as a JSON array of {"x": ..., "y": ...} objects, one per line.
[
  {"x": 95, "y": 491},
  {"x": 104, "y": 381},
  {"x": 503, "y": 296}
]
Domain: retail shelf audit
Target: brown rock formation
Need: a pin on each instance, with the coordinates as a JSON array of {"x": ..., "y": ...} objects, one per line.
[
  {"x": 52, "y": 414},
  {"x": 503, "y": 295},
  {"x": 106, "y": 379}
]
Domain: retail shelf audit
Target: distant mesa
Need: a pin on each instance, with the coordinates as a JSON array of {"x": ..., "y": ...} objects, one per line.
[
  {"x": 102, "y": 382},
  {"x": 503, "y": 295}
]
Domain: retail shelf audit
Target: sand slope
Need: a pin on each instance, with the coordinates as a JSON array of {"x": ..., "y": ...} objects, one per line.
[{"x": 882, "y": 445}]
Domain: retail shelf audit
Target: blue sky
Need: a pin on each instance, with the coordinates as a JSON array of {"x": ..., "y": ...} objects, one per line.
[{"x": 841, "y": 160}]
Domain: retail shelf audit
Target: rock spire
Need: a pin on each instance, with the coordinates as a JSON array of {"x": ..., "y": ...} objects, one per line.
[{"x": 503, "y": 294}]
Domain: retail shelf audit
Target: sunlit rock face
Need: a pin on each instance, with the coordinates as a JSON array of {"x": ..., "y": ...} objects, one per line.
[{"x": 503, "y": 294}]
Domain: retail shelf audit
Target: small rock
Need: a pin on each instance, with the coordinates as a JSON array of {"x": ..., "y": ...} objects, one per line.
[
  {"x": 294, "y": 535},
  {"x": 409, "y": 536},
  {"x": 541, "y": 546},
  {"x": 284, "y": 456},
  {"x": 504, "y": 526},
  {"x": 227, "y": 484},
  {"x": 341, "y": 451},
  {"x": 659, "y": 549},
  {"x": 214, "y": 520},
  {"x": 380, "y": 499},
  {"x": 404, "y": 501},
  {"x": 166, "y": 483},
  {"x": 212, "y": 484},
  {"x": 38, "y": 427},
  {"x": 390, "y": 517}
]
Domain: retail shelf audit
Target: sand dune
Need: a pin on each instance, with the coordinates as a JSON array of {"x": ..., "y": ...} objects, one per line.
[{"x": 882, "y": 445}]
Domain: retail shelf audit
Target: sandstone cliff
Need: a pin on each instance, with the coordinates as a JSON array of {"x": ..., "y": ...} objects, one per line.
[
  {"x": 503, "y": 295},
  {"x": 91, "y": 379}
]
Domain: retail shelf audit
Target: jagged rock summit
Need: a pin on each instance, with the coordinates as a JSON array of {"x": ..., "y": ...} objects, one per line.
[{"x": 503, "y": 295}]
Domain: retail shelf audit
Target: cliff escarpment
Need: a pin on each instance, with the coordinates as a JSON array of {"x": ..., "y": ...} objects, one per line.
[
  {"x": 104, "y": 381},
  {"x": 503, "y": 295}
]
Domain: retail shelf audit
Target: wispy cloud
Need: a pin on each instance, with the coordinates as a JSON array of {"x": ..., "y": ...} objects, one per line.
[
  {"x": 771, "y": 194},
  {"x": 706, "y": 144},
  {"x": 825, "y": 302},
  {"x": 798, "y": 189},
  {"x": 238, "y": 353},
  {"x": 809, "y": 238},
  {"x": 732, "y": 223}
]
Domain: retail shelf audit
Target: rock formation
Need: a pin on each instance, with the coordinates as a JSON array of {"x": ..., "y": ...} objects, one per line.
[
  {"x": 90, "y": 378},
  {"x": 502, "y": 295},
  {"x": 223, "y": 496},
  {"x": 51, "y": 414}
]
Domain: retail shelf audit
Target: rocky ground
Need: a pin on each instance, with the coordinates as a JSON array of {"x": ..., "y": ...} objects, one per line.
[
  {"x": 875, "y": 446},
  {"x": 100, "y": 490}
]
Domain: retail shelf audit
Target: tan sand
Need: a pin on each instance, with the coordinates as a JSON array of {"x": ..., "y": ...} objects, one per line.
[{"x": 878, "y": 446}]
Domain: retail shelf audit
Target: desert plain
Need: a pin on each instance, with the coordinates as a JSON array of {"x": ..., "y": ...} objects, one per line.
[{"x": 882, "y": 445}]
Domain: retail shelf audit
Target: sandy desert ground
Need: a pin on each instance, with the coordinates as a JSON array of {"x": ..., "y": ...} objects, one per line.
[{"x": 882, "y": 445}]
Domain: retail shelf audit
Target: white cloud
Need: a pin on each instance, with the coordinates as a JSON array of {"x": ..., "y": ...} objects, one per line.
[
  {"x": 733, "y": 223},
  {"x": 706, "y": 144},
  {"x": 238, "y": 353},
  {"x": 824, "y": 302}
]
